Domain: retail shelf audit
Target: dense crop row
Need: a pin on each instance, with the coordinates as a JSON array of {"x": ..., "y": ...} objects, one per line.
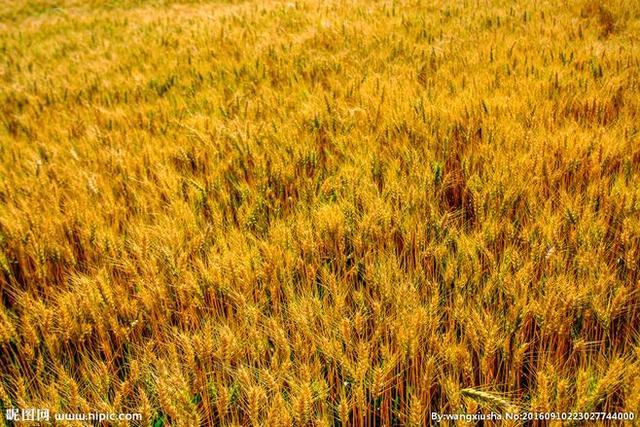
[{"x": 319, "y": 212}]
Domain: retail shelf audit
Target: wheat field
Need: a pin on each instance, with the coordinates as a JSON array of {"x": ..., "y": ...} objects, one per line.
[{"x": 320, "y": 212}]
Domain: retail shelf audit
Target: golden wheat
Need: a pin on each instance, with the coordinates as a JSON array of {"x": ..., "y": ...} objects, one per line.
[{"x": 311, "y": 212}]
